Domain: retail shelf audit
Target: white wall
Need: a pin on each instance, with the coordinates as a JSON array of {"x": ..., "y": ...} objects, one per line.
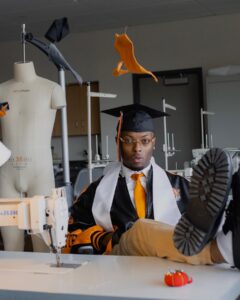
[
  {"x": 205, "y": 42},
  {"x": 223, "y": 93}
]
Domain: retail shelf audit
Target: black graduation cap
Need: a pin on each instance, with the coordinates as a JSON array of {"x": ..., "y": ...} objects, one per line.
[
  {"x": 58, "y": 30},
  {"x": 136, "y": 117}
]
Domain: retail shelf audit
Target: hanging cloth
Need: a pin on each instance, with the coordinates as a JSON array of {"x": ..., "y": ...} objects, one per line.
[{"x": 124, "y": 47}]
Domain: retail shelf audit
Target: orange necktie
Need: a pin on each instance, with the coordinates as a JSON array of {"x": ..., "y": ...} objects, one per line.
[{"x": 139, "y": 195}]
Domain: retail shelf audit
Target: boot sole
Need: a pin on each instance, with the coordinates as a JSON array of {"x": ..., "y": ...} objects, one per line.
[{"x": 209, "y": 188}]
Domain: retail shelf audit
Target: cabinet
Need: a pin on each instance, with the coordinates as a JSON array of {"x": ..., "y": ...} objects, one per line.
[{"x": 76, "y": 97}]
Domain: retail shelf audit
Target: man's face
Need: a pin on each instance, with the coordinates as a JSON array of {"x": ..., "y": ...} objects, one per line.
[{"x": 136, "y": 149}]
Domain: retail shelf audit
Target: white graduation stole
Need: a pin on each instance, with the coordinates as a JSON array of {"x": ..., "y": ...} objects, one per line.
[{"x": 165, "y": 207}]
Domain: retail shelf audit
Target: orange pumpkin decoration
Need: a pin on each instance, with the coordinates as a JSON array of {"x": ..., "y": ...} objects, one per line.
[{"x": 177, "y": 278}]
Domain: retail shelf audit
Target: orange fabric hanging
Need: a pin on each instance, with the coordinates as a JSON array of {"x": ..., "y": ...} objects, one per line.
[
  {"x": 139, "y": 195},
  {"x": 3, "y": 109},
  {"x": 125, "y": 48}
]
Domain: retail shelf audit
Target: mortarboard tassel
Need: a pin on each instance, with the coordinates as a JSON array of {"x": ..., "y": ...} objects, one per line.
[{"x": 118, "y": 135}]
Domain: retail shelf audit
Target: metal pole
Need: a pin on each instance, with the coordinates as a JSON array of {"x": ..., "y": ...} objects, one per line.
[
  {"x": 165, "y": 146},
  {"x": 89, "y": 132},
  {"x": 202, "y": 130},
  {"x": 64, "y": 133},
  {"x": 24, "y": 42}
]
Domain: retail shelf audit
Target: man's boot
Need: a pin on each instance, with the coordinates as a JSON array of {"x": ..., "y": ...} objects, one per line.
[{"x": 209, "y": 189}]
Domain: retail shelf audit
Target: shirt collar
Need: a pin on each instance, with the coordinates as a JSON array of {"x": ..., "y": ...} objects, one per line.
[{"x": 126, "y": 172}]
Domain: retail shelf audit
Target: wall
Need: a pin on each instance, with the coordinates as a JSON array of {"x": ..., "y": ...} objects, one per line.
[
  {"x": 224, "y": 125},
  {"x": 184, "y": 123},
  {"x": 205, "y": 42}
]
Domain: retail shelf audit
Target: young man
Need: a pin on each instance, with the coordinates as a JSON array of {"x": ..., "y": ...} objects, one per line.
[
  {"x": 196, "y": 239},
  {"x": 135, "y": 187}
]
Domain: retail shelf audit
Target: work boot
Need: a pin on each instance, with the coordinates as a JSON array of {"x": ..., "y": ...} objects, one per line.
[
  {"x": 232, "y": 222},
  {"x": 209, "y": 189}
]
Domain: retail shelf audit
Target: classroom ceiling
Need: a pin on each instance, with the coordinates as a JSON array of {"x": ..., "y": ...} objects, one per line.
[{"x": 91, "y": 15}]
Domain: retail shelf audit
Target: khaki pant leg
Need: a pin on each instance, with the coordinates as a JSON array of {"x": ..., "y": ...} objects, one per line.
[{"x": 152, "y": 238}]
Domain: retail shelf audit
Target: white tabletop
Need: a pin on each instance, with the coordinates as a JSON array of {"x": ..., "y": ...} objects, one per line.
[{"x": 25, "y": 275}]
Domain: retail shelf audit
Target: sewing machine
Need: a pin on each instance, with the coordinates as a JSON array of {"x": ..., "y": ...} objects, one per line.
[{"x": 44, "y": 216}]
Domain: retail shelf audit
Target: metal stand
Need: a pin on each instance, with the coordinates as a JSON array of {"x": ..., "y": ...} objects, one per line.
[
  {"x": 89, "y": 95},
  {"x": 65, "y": 152},
  {"x": 60, "y": 62},
  {"x": 89, "y": 132},
  {"x": 97, "y": 156},
  {"x": 203, "y": 146},
  {"x": 107, "y": 157},
  {"x": 24, "y": 43},
  {"x": 167, "y": 149}
]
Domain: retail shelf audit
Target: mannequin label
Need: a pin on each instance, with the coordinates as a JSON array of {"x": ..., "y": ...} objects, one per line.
[
  {"x": 20, "y": 162},
  {"x": 23, "y": 91}
]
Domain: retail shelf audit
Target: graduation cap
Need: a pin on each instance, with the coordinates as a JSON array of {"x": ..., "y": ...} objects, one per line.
[
  {"x": 58, "y": 30},
  {"x": 135, "y": 117}
]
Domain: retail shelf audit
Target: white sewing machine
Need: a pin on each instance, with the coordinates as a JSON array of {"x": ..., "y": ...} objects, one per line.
[{"x": 46, "y": 216}]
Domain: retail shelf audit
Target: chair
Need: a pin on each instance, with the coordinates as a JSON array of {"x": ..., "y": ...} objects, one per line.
[{"x": 82, "y": 180}]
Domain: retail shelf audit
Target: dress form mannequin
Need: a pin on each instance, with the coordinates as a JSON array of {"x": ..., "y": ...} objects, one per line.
[{"x": 27, "y": 130}]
